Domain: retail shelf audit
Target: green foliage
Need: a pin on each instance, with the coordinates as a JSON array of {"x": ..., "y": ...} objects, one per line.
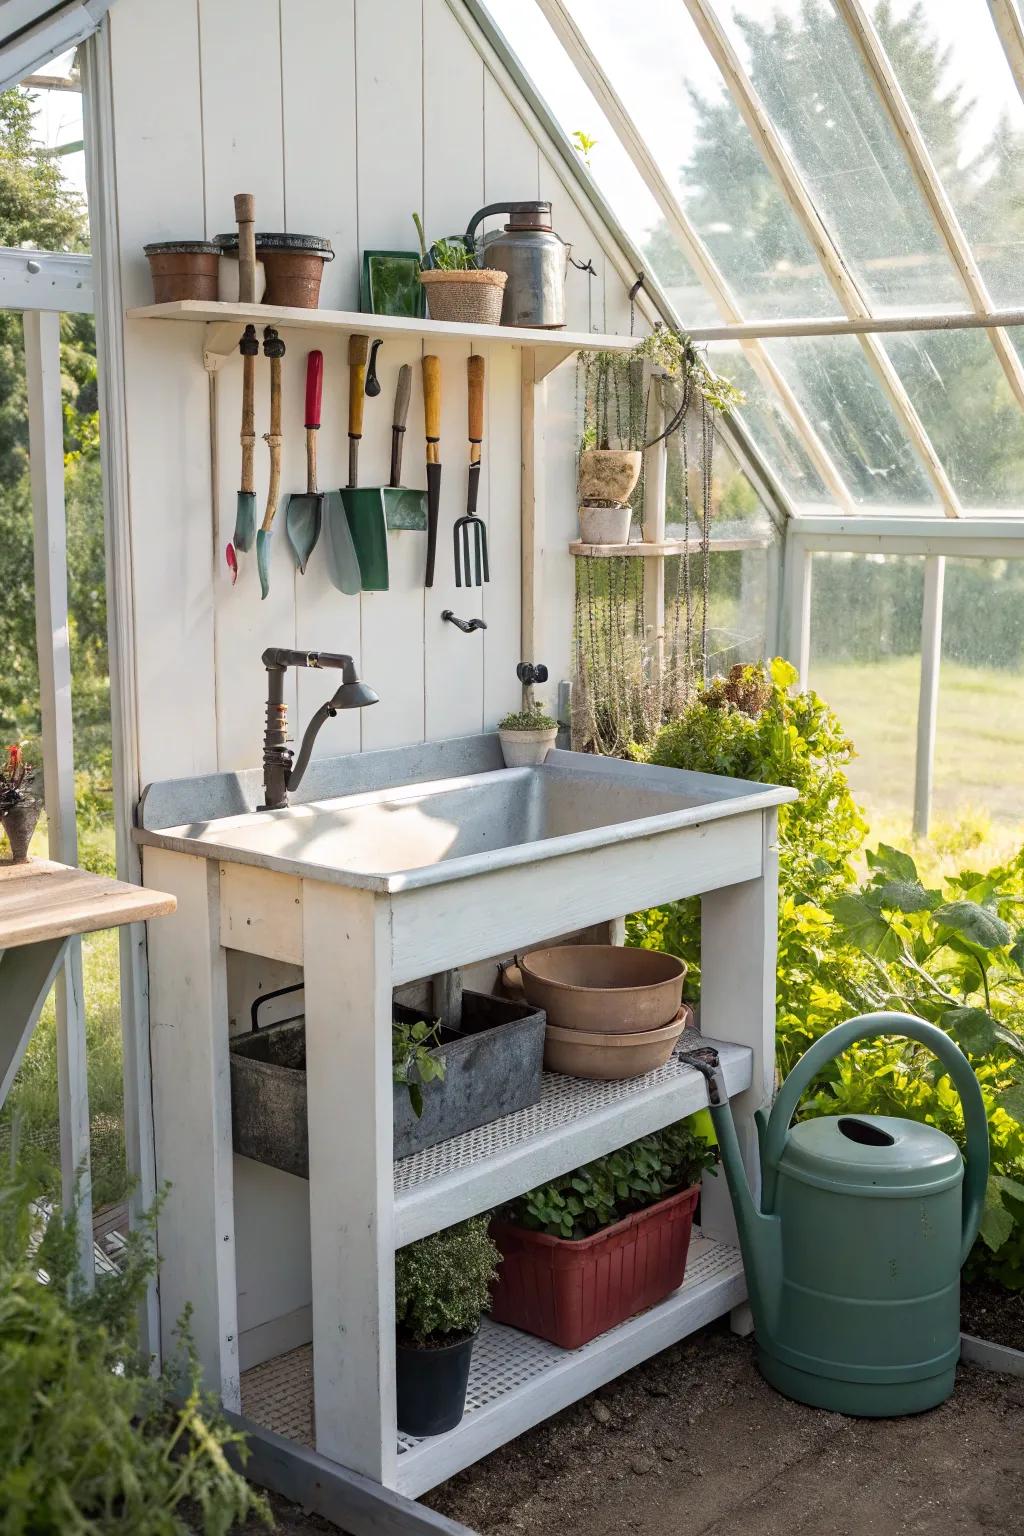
[
  {"x": 610, "y": 1188},
  {"x": 445, "y": 255},
  {"x": 530, "y": 719},
  {"x": 442, "y": 1283},
  {"x": 413, "y": 1063},
  {"x": 582, "y": 143},
  {"x": 89, "y": 1442}
]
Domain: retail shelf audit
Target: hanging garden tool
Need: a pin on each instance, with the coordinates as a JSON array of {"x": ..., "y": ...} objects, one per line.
[
  {"x": 372, "y": 381},
  {"x": 363, "y": 508},
  {"x": 305, "y": 512},
  {"x": 470, "y": 532},
  {"x": 403, "y": 507},
  {"x": 245, "y": 514},
  {"x": 273, "y": 347},
  {"x": 432, "y": 420}
]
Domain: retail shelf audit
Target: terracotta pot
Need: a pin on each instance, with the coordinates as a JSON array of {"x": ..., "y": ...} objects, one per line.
[
  {"x": 610, "y": 1058},
  {"x": 569, "y": 1292},
  {"x": 605, "y": 525},
  {"x": 472, "y": 298},
  {"x": 609, "y": 474},
  {"x": 294, "y": 266},
  {"x": 183, "y": 269},
  {"x": 19, "y": 822},
  {"x": 604, "y": 987},
  {"x": 527, "y": 749}
]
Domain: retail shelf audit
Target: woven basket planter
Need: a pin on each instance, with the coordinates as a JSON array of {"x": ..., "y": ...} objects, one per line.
[{"x": 471, "y": 298}]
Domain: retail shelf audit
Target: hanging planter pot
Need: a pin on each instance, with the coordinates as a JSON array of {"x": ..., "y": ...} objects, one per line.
[
  {"x": 183, "y": 269},
  {"x": 605, "y": 524},
  {"x": 431, "y": 1382},
  {"x": 19, "y": 822},
  {"x": 471, "y": 297},
  {"x": 609, "y": 475},
  {"x": 294, "y": 265}
]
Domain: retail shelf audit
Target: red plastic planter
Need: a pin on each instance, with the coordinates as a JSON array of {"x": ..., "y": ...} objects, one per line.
[{"x": 569, "y": 1292}]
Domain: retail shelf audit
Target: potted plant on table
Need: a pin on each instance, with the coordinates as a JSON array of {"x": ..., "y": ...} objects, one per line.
[
  {"x": 442, "y": 1289},
  {"x": 527, "y": 736},
  {"x": 457, "y": 289},
  {"x": 19, "y": 810},
  {"x": 603, "y": 1242}
]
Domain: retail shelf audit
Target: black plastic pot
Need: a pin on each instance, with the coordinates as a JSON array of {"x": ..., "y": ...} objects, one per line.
[{"x": 432, "y": 1386}]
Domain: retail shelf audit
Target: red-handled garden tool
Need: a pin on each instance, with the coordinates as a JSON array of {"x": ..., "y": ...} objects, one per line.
[
  {"x": 304, "y": 516},
  {"x": 273, "y": 347}
]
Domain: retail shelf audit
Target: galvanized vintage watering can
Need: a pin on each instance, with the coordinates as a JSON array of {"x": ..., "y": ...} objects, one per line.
[
  {"x": 535, "y": 258},
  {"x": 853, "y": 1256}
]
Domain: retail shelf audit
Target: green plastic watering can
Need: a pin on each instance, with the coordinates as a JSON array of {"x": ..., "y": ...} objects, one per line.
[{"x": 853, "y": 1256}]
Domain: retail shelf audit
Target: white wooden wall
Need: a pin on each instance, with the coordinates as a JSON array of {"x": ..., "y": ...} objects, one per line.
[{"x": 342, "y": 116}]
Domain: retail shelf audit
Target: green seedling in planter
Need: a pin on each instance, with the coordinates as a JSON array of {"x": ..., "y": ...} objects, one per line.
[
  {"x": 442, "y": 1283},
  {"x": 605, "y": 1191},
  {"x": 528, "y": 720},
  {"x": 412, "y": 1065},
  {"x": 445, "y": 255}
]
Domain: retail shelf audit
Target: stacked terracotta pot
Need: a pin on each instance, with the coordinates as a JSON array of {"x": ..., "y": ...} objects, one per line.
[
  {"x": 612, "y": 1012},
  {"x": 608, "y": 478}
]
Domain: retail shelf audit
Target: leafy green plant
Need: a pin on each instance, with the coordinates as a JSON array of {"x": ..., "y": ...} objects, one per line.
[
  {"x": 413, "y": 1063},
  {"x": 530, "y": 719},
  {"x": 610, "y": 1188},
  {"x": 90, "y": 1442},
  {"x": 582, "y": 143},
  {"x": 445, "y": 255},
  {"x": 442, "y": 1283},
  {"x": 675, "y": 355}
]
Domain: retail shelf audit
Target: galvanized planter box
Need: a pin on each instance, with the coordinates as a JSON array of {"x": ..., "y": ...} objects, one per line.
[{"x": 492, "y": 1068}]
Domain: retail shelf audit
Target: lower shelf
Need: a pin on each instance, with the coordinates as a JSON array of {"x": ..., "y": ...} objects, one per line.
[{"x": 516, "y": 1381}]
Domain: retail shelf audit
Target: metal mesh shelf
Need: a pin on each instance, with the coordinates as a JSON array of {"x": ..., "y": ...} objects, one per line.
[{"x": 515, "y": 1380}]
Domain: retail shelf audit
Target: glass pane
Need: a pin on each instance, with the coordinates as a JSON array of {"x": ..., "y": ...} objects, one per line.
[
  {"x": 866, "y": 662},
  {"x": 962, "y": 395},
  {"x": 810, "y": 76},
  {"x": 769, "y": 425},
  {"x": 979, "y": 742},
  {"x": 953, "y": 71},
  {"x": 673, "y": 91},
  {"x": 840, "y": 392}
]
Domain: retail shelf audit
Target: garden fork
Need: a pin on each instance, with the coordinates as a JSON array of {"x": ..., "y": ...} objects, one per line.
[{"x": 470, "y": 532}]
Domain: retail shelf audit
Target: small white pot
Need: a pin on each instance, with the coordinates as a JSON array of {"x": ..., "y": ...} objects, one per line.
[
  {"x": 227, "y": 280},
  {"x": 605, "y": 525},
  {"x": 526, "y": 749}
]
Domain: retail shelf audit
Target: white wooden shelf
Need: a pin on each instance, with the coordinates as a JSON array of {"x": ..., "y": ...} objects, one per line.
[
  {"x": 653, "y": 550},
  {"x": 515, "y": 1381},
  {"x": 574, "y": 1121},
  {"x": 226, "y": 321}
]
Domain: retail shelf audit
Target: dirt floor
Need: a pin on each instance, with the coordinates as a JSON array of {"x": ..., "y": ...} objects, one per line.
[
  {"x": 990, "y": 1312},
  {"x": 695, "y": 1444}
]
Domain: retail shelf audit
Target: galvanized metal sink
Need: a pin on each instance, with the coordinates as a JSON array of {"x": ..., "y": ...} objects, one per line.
[{"x": 399, "y": 836}]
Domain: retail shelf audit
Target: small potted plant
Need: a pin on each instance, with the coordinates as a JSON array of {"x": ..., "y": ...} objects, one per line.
[
  {"x": 611, "y": 456},
  {"x": 603, "y": 1242},
  {"x": 527, "y": 736},
  {"x": 457, "y": 289},
  {"x": 19, "y": 810},
  {"x": 442, "y": 1289}
]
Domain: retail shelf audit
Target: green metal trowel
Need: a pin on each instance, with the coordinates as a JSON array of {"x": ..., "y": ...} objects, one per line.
[
  {"x": 364, "y": 508},
  {"x": 403, "y": 506}
]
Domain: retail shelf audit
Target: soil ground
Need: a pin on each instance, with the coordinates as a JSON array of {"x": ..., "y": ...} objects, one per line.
[
  {"x": 990, "y": 1312},
  {"x": 693, "y": 1443}
]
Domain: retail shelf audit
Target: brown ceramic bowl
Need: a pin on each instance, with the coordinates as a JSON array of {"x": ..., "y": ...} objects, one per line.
[
  {"x": 604, "y": 987},
  {"x": 586, "y": 1053}
]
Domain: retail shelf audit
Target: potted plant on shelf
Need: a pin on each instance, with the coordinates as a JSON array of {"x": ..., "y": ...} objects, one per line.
[
  {"x": 603, "y": 1242},
  {"x": 19, "y": 810},
  {"x": 442, "y": 1289},
  {"x": 457, "y": 289},
  {"x": 527, "y": 736},
  {"x": 612, "y": 448}
]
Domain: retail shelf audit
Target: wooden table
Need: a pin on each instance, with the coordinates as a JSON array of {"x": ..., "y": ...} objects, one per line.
[{"x": 42, "y": 905}]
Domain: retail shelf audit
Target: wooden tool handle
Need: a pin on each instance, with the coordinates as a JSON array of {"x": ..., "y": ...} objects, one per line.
[
  {"x": 403, "y": 394},
  {"x": 475, "y": 376},
  {"x": 248, "y": 433},
  {"x": 358, "y": 349},
  {"x": 432, "y": 406},
  {"x": 245, "y": 217},
  {"x": 273, "y": 346}
]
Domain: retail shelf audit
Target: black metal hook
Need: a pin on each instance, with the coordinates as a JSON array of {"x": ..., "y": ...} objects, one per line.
[
  {"x": 529, "y": 673},
  {"x": 466, "y": 625},
  {"x": 372, "y": 381}
]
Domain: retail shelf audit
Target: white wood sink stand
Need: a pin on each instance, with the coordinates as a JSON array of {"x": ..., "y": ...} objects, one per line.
[{"x": 355, "y": 946}]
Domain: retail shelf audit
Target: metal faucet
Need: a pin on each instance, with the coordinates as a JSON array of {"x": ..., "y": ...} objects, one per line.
[{"x": 279, "y": 773}]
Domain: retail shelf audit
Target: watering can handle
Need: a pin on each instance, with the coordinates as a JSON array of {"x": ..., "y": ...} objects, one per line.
[{"x": 866, "y": 1027}]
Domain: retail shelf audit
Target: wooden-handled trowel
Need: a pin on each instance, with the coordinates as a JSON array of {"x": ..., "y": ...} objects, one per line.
[{"x": 403, "y": 506}]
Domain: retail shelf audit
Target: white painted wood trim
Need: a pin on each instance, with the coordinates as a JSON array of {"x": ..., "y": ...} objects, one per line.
[
  {"x": 1007, "y": 21},
  {"x": 928, "y": 698},
  {"x": 981, "y": 538},
  {"x": 50, "y": 280},
  {"x": 863, "y": 30},
  {"x": 53, "y": 648},
  {"x": 657, "y": 549},
  {"x": 632, "y": 140},
  {"x": 795, "y": 611},
  {"x": 783, "y": 168},
  {"x": 98, "y": 110},
  {"x": 533, "y": 410},
  {"x": 348, "y": 982},
  {"x": 655, "y": 481}
]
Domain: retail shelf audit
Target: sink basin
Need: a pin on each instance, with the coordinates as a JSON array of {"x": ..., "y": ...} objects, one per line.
[{"x": 418, "y": 834}]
